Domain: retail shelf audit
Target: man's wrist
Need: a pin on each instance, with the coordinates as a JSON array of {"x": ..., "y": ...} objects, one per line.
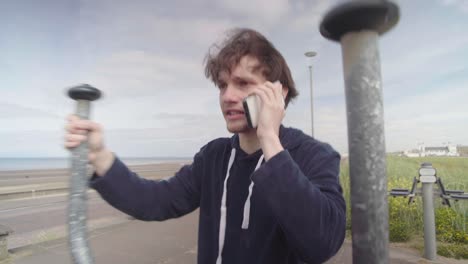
[
  {"x": 271, "y": 145},
  {"x": 103, "y": 161}
]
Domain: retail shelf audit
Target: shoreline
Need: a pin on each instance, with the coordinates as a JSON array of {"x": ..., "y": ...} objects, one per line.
[
  {"x": 48, "y": 171},
  {"x": 129, "y": 162},
  {"x": 40, "y": 182}
]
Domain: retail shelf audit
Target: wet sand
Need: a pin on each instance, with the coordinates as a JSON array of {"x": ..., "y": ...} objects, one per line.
[{"x": 25, "y": 177}]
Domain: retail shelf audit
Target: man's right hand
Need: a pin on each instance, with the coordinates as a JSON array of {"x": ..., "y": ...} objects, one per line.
[{"x": 79, "y": 130}]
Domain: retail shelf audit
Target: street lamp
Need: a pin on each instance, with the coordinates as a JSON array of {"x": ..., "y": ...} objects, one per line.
[{"x": 309, "y": 55}]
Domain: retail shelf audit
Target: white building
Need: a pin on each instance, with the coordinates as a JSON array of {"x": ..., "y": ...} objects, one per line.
[
  {"x": 435, "y": 151},
  {"x": 423, "y": 151},
  {"x": 414, "y": 153}
]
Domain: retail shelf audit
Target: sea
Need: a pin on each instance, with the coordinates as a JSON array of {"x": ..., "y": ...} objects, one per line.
[{"x": 10, "y": 164}]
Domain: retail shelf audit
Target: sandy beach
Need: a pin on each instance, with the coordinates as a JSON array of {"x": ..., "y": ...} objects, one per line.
[
  {"x": 147, "y": 170},
  {"x": 27, "y": 183}
]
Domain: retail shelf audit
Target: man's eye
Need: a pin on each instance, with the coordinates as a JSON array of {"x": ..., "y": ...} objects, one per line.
[
  {"x": 222, "y": 86},
  {"x": 243, "y": 83}
]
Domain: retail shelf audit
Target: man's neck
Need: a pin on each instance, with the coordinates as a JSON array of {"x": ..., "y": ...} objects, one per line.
[{"x": 249, "y": 142}]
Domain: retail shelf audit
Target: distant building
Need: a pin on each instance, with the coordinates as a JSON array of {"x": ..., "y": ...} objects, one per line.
[
  {"x": 414, "y": 153},
  {"x": 423, "y": 151},
  {"x": 462, "y": 150},
  {"x": 435, "y": 151}
]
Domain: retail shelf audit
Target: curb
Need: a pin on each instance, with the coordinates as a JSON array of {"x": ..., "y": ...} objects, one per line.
[
  {"x": 32, "y": 190},
  {"x": 32, "y": 193}
]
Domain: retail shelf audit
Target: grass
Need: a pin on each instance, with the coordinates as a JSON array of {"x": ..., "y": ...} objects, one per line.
[{"x": 406, "y": 221}]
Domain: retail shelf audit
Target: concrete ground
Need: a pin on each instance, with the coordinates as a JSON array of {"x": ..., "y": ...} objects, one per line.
[
  {"x": 119, "y": 242},
  {"x": 173, "y": 241}
]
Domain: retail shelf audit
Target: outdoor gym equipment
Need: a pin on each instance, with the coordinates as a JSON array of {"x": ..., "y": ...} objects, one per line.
[
  {"x": 428, "y": 176},
  {"x": 357, "y": 26},
  {"x": 78, "y": 237}
]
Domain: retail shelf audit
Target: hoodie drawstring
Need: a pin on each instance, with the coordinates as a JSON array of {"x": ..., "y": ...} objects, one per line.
[
  {"x": 246, "y": 217},
  {"x": 222, "y": 221}
]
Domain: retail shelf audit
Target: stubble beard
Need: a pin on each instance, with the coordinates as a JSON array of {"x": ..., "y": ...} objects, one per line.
[{"x": 240, "y": 127}]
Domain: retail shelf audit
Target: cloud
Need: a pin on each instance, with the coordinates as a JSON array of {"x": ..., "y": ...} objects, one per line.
[
  {"x": 307, "y": 15},
  {"x": 13, "y": 110},
  {"x": 17, "y": 117},
  {"x": 198, "y": 32},
  {"x": 139, "y": 73},
  {"x": 329, "y": 123},
  {"x": 427, "y": 106},
  {"x": 266, "y": 11},
  {"x": 457, "y": 4},
  {"x": 180, "y": 135},
  {"x": 147, "y": 58},
  {"x": 441, "y": 58},
  {"x": 118, "y": 25},
  {"x": 433, "y": 117},
  {"x": 32, "y": 142}
]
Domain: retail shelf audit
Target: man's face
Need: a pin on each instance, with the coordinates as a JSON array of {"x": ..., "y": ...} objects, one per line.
[{"x": 233, "y": 88}]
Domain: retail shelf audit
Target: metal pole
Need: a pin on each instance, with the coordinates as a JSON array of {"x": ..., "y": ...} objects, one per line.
[
  {"x": 427, "y": 176},
  {"x": 310, "y": 55},
  {"x": 366, "y": 147},
  {"x": 311, "y": 103},
  {"x": 430, "y": 248},
  {"x": 78, "y": 238},
  {"x": 357, "y": 26}
]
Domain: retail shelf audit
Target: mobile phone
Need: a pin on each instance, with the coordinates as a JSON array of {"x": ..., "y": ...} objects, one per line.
[{"x": 251, "y": 109}]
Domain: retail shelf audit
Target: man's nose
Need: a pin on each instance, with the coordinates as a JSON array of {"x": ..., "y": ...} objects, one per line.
[{"x": 231, "y": 94}]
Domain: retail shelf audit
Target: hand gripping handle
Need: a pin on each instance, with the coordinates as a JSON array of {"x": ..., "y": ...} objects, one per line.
[{"x": 78, "y": 237}]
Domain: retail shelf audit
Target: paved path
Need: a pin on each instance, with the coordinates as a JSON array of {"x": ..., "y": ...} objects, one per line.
[
  {"x": 44, "y": 218},
  {"x": 169, "y": 242},
  {"x": 172, "y": 241}
]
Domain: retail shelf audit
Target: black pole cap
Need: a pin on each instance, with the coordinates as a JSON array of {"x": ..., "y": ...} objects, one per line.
[
  {"x": 84, "y": 92},
  {"x": 376, "y": 15},
  {"x": 426, "y": 164}
]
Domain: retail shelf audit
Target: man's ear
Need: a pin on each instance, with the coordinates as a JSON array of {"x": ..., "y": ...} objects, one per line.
[{"x": 285, "y": 92}]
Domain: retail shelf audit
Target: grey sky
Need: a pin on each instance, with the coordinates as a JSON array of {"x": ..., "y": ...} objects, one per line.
[{"x": 147, "y": 58}]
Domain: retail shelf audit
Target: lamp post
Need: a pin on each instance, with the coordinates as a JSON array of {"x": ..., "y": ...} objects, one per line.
[{"x": 309, "y": 55}]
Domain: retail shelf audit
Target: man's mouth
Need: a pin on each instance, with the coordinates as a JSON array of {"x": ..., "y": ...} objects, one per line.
[
  {"x": 234, "y": 112},
  {"x": 234, "y": 115}
]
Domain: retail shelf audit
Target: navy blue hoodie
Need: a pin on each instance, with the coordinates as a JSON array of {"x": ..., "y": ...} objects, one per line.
[{"x": 297, "y": 210}]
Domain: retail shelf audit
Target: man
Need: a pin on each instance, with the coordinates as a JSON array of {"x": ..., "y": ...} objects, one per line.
[{"x": 266, "y": 195}]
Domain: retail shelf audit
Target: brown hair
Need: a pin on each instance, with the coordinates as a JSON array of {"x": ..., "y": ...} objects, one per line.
[{"x": 242, "y": 42}]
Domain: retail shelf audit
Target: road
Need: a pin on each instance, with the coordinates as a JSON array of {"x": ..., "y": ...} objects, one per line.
[
  {"x": 25, "y": 177},
  {"x": 41, "y": 218}
]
